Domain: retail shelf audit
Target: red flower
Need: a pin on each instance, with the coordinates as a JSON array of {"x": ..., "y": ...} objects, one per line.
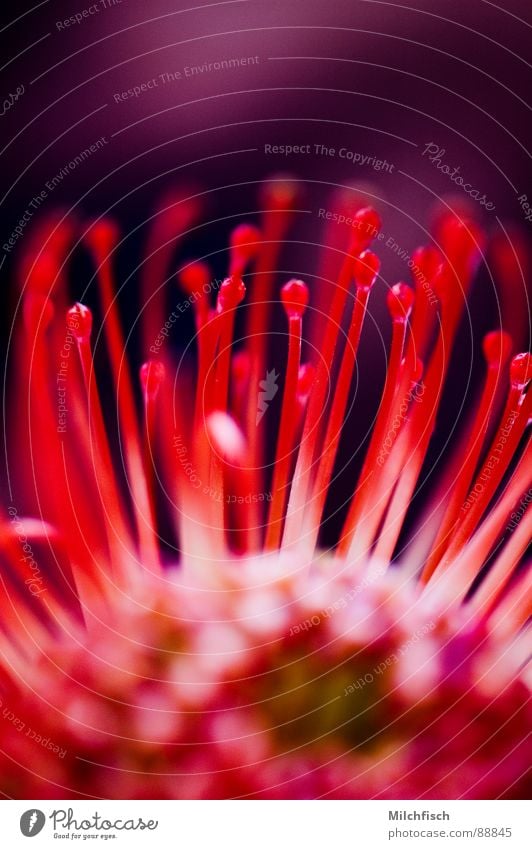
[{"x": 251, "y": 662}]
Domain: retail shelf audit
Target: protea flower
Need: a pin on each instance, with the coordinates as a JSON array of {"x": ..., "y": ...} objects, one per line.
[{"x": 244, "y": 660}]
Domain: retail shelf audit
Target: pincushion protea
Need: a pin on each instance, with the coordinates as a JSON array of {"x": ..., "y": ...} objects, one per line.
[{"x": 258, "y": 665}]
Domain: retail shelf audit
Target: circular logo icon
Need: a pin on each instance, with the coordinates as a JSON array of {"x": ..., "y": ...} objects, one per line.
[{"x": 32, "y": 822}]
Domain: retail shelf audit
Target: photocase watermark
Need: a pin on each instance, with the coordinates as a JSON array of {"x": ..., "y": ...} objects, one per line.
[
  {"x": 37, "y": 200},
  {"x": 525, "y": 206},
  {"x": 435, "y": 155},
  {"x": 182, "y": 307},
  {"x": 197, "y": 483},
  {"x": 32, "y": 822},
  {"x": 185, "y": 73},
  {"x": 388, "y": 241},
  {"x": 365, "y": 160},
  {"x": 11, "y": 99},
  {"x": 22, "y": 727},
  {"x": 492, "y": 462},
  {"x": 338, "y": 604},
  {"x": 64, "y": 819},
  {"x": 88, "y": 12},
  {"x": 268, "y": 390},
  {"x": 34, "y": 582},
  {"x": 389, "y": 661},
  {"x": 415, "y": 394},
  {"x": 65, "y": 825},
  {"x": 518, "y": 514}
]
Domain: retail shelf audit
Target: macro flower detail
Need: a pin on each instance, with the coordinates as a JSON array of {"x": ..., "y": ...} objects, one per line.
[{"x": 173, "y": 625}]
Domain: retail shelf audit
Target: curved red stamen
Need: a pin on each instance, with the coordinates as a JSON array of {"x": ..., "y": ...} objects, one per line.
[
  {"x": 244, "y": 243},
  {"x": 497, "y": 348},
  {"x": 512, "y": 424},
  {"x": 400, "y": 301},
  {"x": 102, "y": 238},
  {"x": 80, "y": 320},
  {"x": 365, "y": 270},
  {"x": 175, "y": 214}
]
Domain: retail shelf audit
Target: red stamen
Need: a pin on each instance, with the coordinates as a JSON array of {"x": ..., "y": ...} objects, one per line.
[
  {"x": 65, "y": 503},
  {"x": 152, "y": 375},
  {"x": 409, "y": 451},
  {"x": 462, "y": 244},
  {"x": 43, "y": 265},
  {"x": 514, "y": 611},
  {"x": 279, "y": 200},
  {"x": 369, "y": 225},
  {"x": 357, "y": 533},
  {"x": 427, "y": 264},
  {"x": 512, "y": 259},
  {"x": 294, "y": 296},
  {"x": 175, "y": 214},
  {"x": 240, "y": 370},
  {"x": 245, "y": 244},
  {"x": 230, "y": 448},
  {"x": 451, "y": 582},
  {"x": 305, "y": 382},
  {"x": 231, "y": 294},
  {"x": 118, "y": 537},
  {"x": 497, "y": 348},
  {"x": 365, "y": 270},
  {"x": 195, "y": 279},
  {"x": 490, "y": 592},
  {"x": 102, "y": 239},
  {"x": 511, "y": 428}
]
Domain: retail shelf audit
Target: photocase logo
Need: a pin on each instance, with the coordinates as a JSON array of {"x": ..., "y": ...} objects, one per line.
[
  {"x": 268, "y": 388},
  {"x": 32, "y": 822}
]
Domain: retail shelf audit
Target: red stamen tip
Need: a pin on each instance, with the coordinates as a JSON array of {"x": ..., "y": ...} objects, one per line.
[
  {"x": 280, "y": 194},
  {"x": 365, "y": 269},
  {"x": 245, "y": 242},
  {"x": 175, "y": 213},
  {"x": 521, "y": 370},
  {"x": 294, "y": 296},
  {"x": 460, "y": 240},
  {"x": 497, "y": 347},
  {"x": 195, "y": 277},
  {"x": 368, "y": 225},
  {"x": 102, "y": 237},
  {"x": 43, "y": 273},
  {"x": 400, "y": 301},
  {"x": 152, "y": 374},
  {"x": 79, "y": 320},
  {"x": 232, "y": 292},
  {"x": 428, "y": 261}
]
